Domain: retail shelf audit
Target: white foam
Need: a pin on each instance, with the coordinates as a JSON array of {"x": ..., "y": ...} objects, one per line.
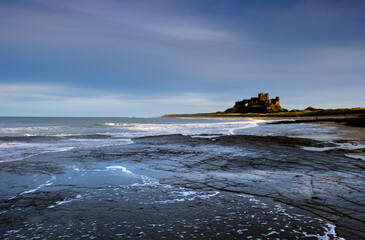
[
  {"x": 212, "y": 136},
  {"x": 149, "y": 129},
  {"x": 119, "y": 168},
  {"x": 29, "y": 131},
  {"x": 76, "y": 168},
  {"x": 189, "y": 196},
  {"x": 146, "y": 181},
  {"x": 271, "y": 233},
  {"x": 120, "y": 135},
  {"x": 47, "y": 183},
  {"x": 7, "y": 144},
  {"x": 22, "y": 150},
  {"x": 343, "y": 146},
  {"x": 116, "y": 124},
  {"x": 240, "y": 231},
  {"x": 329, "y": 233},
  {"x": 356, "y": 156},
  {"x": 78, "y": 197}
]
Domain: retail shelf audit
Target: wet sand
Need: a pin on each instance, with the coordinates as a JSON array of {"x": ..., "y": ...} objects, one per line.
[
  {"x": 353, "y": 125},
  {"x": 355, "y": 133}
]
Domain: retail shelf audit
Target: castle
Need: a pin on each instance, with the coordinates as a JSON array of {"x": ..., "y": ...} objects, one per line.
[
  {"x": 260, "y": 104},
  {"x": 262, "y": 98}
]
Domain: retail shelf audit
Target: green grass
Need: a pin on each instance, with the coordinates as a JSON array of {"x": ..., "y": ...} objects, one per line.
[{"x": 300, "y": 113}]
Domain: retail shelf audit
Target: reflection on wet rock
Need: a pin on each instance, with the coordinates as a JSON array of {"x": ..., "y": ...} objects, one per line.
[{"x": 176, "y": 186}]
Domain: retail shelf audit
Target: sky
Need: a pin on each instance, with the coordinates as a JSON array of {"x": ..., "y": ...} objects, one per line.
[{"x": 149, "y": 58}]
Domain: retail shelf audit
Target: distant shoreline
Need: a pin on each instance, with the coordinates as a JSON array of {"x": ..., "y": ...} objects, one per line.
[
  {"x": 306, "y": 114},
  {"x": 352, "y": 120}
]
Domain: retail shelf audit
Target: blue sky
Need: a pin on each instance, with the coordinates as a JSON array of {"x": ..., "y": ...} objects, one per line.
[{"x": 148, "y": 58}]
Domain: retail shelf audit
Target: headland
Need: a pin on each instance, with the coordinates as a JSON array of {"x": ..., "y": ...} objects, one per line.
[{"x": 264, "y": 107}]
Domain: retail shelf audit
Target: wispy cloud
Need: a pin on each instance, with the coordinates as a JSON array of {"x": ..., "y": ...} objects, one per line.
[
  {"x": 36, "y": 98},
  {"x": 192, "y": 33},
  {"x": 190, "y": 55},
  {"x": 92, "y": 22},
  {"x": 31, "y": 92}
]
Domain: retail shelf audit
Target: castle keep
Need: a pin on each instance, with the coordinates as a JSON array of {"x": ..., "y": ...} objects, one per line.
[
  {"x": 262, "y": 98},
  {"x": 260, "y": 104}
]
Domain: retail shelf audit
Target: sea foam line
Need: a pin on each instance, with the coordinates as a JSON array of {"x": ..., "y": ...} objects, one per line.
[
  {"x": 120, "y": 168},
  {"x": 65, "y": 149},
  {"x": 330, "y": 233},
  {"x": 190, "y": 196},
  {"x": 78, "y": 197},
  {"x": 146, "y": 181},
  {"x": 47, "y": 183},
  {"x": 148, "y": 129}
]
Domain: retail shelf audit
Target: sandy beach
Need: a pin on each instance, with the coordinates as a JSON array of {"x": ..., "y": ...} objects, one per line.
[{"x": 355, "y": 133}]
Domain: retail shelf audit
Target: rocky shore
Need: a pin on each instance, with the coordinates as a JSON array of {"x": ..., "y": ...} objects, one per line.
[
  {"x": 189, "y": 186},
  {"x": 219, "y": 182},
  {"x": 358, "y": 121},
  {"x": 327, "y": 184}
]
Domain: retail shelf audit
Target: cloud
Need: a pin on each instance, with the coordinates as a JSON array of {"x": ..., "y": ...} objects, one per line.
[
  {"x": 192, "y": 33},
  {"x": 56, "y": 100},
  {"x": 50, "y": 100},
  {"x": 190, "y": 55},
  {"x": 31, "y": 92},
  {"x": 91, "y": 22}
]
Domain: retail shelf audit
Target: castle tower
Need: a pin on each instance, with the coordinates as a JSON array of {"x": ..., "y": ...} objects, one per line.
[
  {"x": 263, "y": 97},
  {"x": 260, "y": 96},
  {"x": 277, "y": 100}
]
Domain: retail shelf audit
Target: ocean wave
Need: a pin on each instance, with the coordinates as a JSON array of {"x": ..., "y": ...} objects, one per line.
[
  {"x": 24, "y": 150},
  {"x": 25, "y": 142},
  {"x": 30, "y": 131},
  {"x": 55, "y": 137},
  {"x": 116, "y": 124},
  {"x": 153, "y": 129}
]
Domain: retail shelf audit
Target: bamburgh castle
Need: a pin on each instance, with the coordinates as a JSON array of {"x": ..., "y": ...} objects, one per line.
[
  {"x": 262, "y": 98},
  {"x": 260, "y": 104}
]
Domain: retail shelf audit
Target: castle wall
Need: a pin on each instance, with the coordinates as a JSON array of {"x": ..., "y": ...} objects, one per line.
[
  {"x": 262, "y": 98},
  {"x": 277, "y": 100}
]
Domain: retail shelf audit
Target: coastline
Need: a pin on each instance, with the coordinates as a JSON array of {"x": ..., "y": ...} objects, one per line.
[
  {"x": 352, "y": 124},
  {"x": 343, "y": 122},
  {"x": 357, "y": 133},
  {"x": 317, "y": 113},
  {"x": 355, "y": 136},
  {"x": 276, "y": 182}
]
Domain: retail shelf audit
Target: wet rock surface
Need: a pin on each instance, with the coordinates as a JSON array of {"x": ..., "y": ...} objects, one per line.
[
  {"x": 175, "y": 186},
  {"x": 351, "y": 121}
]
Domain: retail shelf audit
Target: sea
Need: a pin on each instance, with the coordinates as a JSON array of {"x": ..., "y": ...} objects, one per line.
[{"x": 177, "y": 178}]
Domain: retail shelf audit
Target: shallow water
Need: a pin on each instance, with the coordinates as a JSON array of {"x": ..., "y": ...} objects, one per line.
[{"x": 156, "y": 178}]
